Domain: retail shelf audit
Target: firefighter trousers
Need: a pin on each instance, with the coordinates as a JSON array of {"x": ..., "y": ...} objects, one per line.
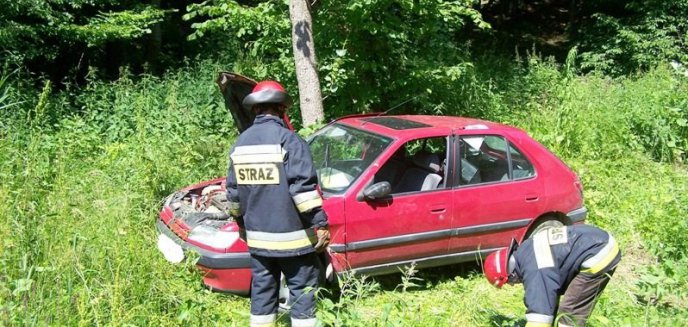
[
  {"x": 580, "y": 297},
  {"x": 301, "y": 274}
]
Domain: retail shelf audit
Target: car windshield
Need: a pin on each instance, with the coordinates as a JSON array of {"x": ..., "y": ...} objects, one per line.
[{"x": 341, "y": 154}]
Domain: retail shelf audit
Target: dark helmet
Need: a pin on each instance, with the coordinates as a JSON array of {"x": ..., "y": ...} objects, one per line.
[
  {"x": 499, "y": 266},
  {"x": 267, "y": 92}
]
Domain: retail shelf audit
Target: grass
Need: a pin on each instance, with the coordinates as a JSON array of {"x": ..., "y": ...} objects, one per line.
[{"x": 83, "y": 176}]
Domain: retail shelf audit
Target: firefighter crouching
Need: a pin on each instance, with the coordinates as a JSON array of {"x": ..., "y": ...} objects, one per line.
[
  {"x": 271, "y": 186},
  {"x": 573, "y": 261}
]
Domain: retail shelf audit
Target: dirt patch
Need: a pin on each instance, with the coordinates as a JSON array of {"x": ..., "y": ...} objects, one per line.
[{"x": 634, "y": 256}]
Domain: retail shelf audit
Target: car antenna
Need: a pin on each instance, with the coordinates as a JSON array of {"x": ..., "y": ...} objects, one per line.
[{"x": 392, "y": 108}]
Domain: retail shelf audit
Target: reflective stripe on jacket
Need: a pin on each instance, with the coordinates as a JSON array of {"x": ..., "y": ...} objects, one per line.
[
  {"x": 548, "y": 261},
  {"x": 271, "y": 187}
]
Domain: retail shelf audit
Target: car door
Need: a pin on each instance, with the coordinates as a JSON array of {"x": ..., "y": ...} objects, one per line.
[
  {"x": 413, "y": 223},
  {"x": 496, "y": 195}
]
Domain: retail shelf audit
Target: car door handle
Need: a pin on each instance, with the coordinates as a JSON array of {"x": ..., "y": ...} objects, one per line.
[
  {"x": 532, "y": 197},
  {"x": 438, "y": 210}
]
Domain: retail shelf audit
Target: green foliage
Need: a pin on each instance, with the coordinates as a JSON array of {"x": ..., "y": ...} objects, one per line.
[
  {"x": 340, "y": 311},
  {"x": 6, "y": 92},
  {"x": 645, "y": 34},
  {"x": 664, "y": 286},
  {"x": 372, "y": 54},
  {"x": 80, "y": 198},
  {"x": 40, "y": 29},
  {"x": 264, "y": 32},
  {"x": 109, "y": 26}
]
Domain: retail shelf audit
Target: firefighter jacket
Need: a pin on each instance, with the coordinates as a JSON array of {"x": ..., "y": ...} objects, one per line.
[
  {"x": 271, "y": 187},
  {"x": 547, "y": 262}
]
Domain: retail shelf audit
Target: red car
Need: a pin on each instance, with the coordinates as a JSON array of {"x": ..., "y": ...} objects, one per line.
[{"x": 399, "y": 190}]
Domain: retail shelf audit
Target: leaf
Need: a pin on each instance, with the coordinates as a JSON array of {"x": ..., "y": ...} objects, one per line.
[{"x": 22, "y": 285}]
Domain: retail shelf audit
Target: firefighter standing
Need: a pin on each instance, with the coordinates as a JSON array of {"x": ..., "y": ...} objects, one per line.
[
  {"x": 271, "y": 187},
  {"x": 573, "y": 261}
]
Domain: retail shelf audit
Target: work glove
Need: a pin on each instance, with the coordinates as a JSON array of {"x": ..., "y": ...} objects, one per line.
[{"x": 323, "y": 239}]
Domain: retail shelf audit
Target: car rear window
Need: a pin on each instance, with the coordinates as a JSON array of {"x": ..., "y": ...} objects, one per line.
[{"x": 395, "y": 123}]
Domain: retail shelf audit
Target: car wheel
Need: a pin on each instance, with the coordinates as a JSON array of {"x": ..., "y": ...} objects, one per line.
[{"x": 547, "y": 222}]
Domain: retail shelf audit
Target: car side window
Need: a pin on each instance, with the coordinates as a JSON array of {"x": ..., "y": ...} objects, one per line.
[
  {"x": 484, "y": 159},
  {"x": 521, "y": 167},
  {"x": 418, "y": 165}
]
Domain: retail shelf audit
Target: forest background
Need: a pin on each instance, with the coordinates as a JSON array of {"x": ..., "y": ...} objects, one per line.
[{"x": 107, "y": 106}]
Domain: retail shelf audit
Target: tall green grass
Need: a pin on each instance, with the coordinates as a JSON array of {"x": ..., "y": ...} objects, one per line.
[
  {"x": 84, "y": 172},
  {"x": 81, "y": 197}
]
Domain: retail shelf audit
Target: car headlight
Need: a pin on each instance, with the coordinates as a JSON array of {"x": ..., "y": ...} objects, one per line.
[{"x": 212, "y": 237}]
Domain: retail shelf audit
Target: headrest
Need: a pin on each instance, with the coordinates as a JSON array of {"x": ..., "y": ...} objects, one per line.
[{"x": 428, "y": 161}]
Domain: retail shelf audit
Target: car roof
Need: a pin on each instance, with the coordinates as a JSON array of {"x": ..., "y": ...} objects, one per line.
[{"x": 418, "y": 125}]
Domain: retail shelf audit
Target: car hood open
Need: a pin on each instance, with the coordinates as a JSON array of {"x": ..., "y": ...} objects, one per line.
[{"x": 234, "y": 89}]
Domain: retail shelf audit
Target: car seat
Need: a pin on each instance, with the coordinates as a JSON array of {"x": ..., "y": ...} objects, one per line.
[
  {"x": 469, "y": 173},
  {"x": 424, "y": 175}
]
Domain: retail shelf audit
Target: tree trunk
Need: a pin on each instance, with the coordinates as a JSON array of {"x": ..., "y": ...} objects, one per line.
[
  {"x": 310, "y": 97},
  {"x": 154, "y": 46}
]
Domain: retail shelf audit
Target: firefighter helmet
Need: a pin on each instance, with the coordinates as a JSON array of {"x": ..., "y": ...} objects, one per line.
[
  {"x": 267, "y": 92},
  {"x": 499, "y": 266}
]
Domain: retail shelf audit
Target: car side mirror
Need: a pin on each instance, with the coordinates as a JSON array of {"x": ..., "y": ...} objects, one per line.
[{"x": 377, "y": 191}]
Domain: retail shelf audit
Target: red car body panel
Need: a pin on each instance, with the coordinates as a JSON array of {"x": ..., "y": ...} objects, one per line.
[{"x": 454, "y": 223}]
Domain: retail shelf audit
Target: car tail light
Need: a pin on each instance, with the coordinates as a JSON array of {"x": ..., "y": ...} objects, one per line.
[{"x": 212, "y": 237}]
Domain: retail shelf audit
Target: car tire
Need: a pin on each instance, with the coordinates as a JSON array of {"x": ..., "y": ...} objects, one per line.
[{"x": 546, "y": 222}]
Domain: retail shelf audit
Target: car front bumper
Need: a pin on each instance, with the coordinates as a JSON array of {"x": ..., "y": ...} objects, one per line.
[{"x": 226, "y": 272}]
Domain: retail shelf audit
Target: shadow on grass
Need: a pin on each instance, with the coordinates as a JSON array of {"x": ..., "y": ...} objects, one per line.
[{"x": 429, "y": 278}]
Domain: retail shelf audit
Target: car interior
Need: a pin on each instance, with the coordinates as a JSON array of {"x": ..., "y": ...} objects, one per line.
[
  {"x": 416, "y": 166},
  {"x": 419, "y": 165},
  {"x": 481, "y": 163},
  {"x": 484, "y": 159}
]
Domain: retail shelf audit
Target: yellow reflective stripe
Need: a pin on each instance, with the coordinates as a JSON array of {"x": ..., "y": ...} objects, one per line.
[
  {"x": 543, "y": 253},
  {"x": 539, "y": 318},
  {"x": 262, "y": 153},
  {"x": 309, "y": 205},
  {"x": 268, "y": 324},
  {"x": 256, "y": 158},
  {"x": 280, "y": 236},
  {"x": 604, "y": 262},
  {"x": 263, "y": 320},
  {"x": 305, "y": 196},
  {"x": 259, "y": 148},
  {"x": 282, "y": 245},
  {"x": 537, "y": 324},
  {"x": 295, "y": 322}
]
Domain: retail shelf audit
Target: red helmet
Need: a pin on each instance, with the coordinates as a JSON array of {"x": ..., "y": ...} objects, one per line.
[
  {"x": 267, "y": 92},
  {"x": 499, "y": 266}
]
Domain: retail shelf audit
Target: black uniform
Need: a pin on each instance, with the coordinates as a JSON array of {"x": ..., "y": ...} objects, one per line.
[
  {"x": 271, "y": 186},
  {"x": 574, "y": 261}
]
